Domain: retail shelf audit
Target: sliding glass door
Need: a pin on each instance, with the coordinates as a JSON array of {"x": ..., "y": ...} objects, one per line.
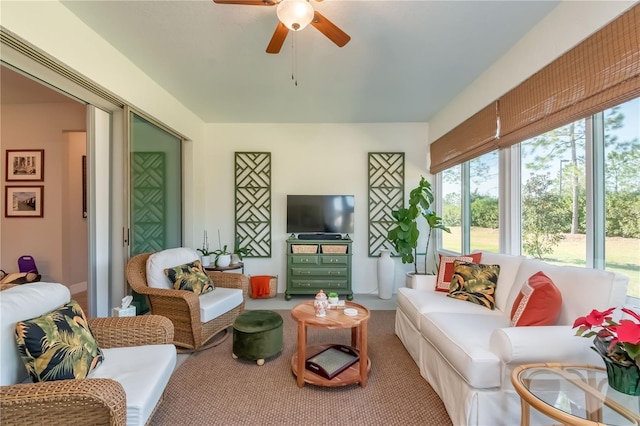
[{"x": 156, "y": 187}]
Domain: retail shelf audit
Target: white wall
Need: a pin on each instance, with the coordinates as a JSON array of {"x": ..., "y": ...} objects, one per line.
[
  {"x": 75, "y": 238},
  {"x": 568, "y": 24},
  {"x": 306, "y": 159},
  {"x": 39, "y": 127}
]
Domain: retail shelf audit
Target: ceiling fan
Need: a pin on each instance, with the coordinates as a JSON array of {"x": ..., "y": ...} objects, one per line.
[{"x": 295, "y": 15}]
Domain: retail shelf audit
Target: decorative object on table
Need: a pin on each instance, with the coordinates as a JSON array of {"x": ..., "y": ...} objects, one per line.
[
  {"x": 239, "y": 251},
  {"x": 332, "y": 361},
  {"x": 320, "y": 304},
  {"x": 25, "y": 164},
  {"x": 206, "y": 254},
  {"x": 405, "y": 234},
  {"x": 24, "y": 201},
  {"x": 385, "y": 274},
  {"x": 333, "y": 298},
  {"x": 223, "y": 257},
  {"x": 618, "y": 343}
]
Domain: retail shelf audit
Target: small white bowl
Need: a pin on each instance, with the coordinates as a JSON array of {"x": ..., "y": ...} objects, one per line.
[{"x": 351, "y": 312}]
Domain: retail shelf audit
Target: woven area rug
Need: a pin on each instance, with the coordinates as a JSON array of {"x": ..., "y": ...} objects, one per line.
[{"x": 212, "y": 388}]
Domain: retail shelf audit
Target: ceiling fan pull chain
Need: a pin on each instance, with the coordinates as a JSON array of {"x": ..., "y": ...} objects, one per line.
[{"x": 294, "y": 60}]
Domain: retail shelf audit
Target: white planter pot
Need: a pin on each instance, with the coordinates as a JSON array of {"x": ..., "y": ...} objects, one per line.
[
  {"x": 235, "y": 259},
  {"x": 205, "y": 260},
  {"x": 419, "y": 281},
  {"x": 224, "y": 260},
  {"x": 385, "y": 275}
]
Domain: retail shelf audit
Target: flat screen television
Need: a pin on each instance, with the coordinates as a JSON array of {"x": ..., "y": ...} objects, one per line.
[{"x": 320, "y": 214}]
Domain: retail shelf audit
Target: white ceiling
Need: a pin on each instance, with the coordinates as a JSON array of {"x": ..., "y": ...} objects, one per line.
[{"x": 406, "y": 59}]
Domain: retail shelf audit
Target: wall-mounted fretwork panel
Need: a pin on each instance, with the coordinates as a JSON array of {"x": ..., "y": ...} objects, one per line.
[
  {"x": 253, "y": 201},
  {"x": 386, "y": 193},
  {"x": 148, "y": 195}
]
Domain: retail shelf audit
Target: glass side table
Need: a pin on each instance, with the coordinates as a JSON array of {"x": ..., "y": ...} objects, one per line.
[{"x": 573, "y": 395}]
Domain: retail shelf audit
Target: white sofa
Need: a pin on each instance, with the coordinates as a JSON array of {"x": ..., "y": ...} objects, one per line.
[
  {"x": 125, "y": 387},
  {"x": 467, "y": 352}
]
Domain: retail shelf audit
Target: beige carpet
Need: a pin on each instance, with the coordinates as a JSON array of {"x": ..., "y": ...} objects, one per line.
[{"x": 211, "y": 388}]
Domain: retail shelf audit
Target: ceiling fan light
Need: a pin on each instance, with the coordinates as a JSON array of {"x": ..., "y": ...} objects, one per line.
[{"x": 295, "y": 14}]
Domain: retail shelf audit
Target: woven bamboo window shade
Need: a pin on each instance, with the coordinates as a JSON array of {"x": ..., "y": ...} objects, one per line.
[
  {"x": 599, "y": 73},
  {"x": 472, "y": 138}
]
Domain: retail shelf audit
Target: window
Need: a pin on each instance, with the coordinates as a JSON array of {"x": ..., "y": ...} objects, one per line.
[
  {"x": 579, "y": 201},
  {"x": 452, "y": 208},
  {"x": 483, "y": 201},
  {"x": 554, "y": 195},
  {"x": 622, "y": 192}
]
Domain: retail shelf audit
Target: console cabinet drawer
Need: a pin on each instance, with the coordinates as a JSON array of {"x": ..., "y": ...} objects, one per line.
[
  {"x": 334, "y": 260},
  {"x": 320, "y": 272},
  {"x": 319, "y": 284},
  {"x": 304, "y": 260}
]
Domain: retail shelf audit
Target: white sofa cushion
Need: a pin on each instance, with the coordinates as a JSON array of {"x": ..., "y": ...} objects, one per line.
[
  {"x": 219, "y": 301},
  {"x": 604, "y": 289},
  {"x": 463, "y": 340},
  {"x": 18, "y": 304},
  {"x": 414, "y": 303},
  {"x": 509, "y": 265},
  {"x": 143, "y": 372},
  {"x": 159, "y": 261}
]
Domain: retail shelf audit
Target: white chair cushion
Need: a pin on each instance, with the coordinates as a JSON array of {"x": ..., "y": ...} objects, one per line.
[
  {"x": 18, "y": 304},
  {"x": 414, "y": 303},
  {"x": 463, "y": 340},
  {"x": 143, "y": 372},
  {"x": 219, "y": 301},
  {"x": 158, "y": 262}
]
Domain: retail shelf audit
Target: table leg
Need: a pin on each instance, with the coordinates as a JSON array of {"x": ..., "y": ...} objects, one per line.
[
  {"x": 524, "y": 413},
  {"x": 362, "y": 331},
  {"x": 302, "y": 349},
  {"x": 354, "y": 337}
]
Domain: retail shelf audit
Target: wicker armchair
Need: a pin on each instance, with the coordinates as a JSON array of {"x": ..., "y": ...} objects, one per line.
[
  {"x": 183, "y": 307},
  {"x": 84, "y": 401}
]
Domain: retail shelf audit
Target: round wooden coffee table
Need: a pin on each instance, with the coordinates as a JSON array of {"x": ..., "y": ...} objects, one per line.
[{"x": 305, "y": 316}]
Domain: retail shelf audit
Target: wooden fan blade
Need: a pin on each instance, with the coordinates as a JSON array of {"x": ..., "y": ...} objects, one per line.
[
  {"x": 277, "y": 40},
  {"x": 330, "y": 30},
  {"x": 248, "y": 2}
]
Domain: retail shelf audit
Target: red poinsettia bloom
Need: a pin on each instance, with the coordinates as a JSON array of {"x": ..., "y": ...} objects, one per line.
[
  {"x": 628, "y": 332},
  {"x": 595, "y": 318}
]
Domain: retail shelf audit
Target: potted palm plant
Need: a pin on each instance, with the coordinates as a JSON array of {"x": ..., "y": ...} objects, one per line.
[{"x": 404, "y": 234}]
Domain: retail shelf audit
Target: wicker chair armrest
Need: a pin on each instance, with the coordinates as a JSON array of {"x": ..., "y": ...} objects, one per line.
[
  {"x": 230, "y": 280},
  {"x": 63, "y": 402},
  {"x": 132, "y": 331}
]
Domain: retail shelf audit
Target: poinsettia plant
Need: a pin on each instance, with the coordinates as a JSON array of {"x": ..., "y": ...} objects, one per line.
[{"x": 619, "y": 341}]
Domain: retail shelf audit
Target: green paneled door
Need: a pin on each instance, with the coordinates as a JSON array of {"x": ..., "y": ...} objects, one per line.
[{"x": 156, "y": 191}]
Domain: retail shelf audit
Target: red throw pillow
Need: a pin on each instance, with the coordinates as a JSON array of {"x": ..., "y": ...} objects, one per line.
[
  {"x": 445, "y": 269},
  {"x": 538, "y": 303}
]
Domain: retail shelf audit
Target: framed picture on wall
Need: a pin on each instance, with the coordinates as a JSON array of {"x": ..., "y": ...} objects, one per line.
[
  {"x": 25, "y": 164},
  {"x": 24, "y": 201}
]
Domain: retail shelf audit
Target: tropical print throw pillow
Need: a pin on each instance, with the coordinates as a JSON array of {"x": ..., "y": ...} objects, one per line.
[
  {"x": 191, "y": 277},
  {"x": 58, "y": 345},
  {"x": 475, "y": 283}
]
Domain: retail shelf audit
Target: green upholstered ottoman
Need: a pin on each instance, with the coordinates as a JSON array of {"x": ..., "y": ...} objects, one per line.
[{"x": 257, "y": 335}]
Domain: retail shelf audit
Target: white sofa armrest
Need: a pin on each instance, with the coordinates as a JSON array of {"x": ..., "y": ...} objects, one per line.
[{"x": 558, "y": 343}]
